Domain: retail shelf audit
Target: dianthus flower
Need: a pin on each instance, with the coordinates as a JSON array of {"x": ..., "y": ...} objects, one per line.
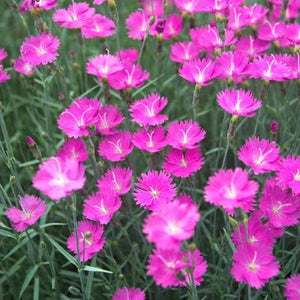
[
  {"x": 184, "y": 51},
  {"x": 40, "y": 50},
  {"x": 129, "y": 294},
  {"x": 137, "y": 24},
  {"x": 231, "y": 189},
  {"x": 214, "y": 6},
  {"x": 82, "y": 113},
  {"x": 251, "y": 47},
  {"x": 116, "y": 147},
  {"x": 256, "y": 14},
  {"x": 292, "y": 287},
  {"x": 109, "y": 117},
  {"x": 128, "y": 55},
  {"x": 199, "y": 71},
  {"x": 185, "y": 134},
  {"x": 238, "y": 102},
  {"x": 101, "y": 206},
  {"x": 238, "y": 18},
  {"x": 188, "y": 6},
  {"x": 73, "y": 148},
  {"x": 153, "y": 7},
  {"x": 117, "y": 180},
  {"x": 98, "y": 26},
  {"x": 171, "y": 224},
  {"x": 3, "y": 75},
  {"x": 168, "y": 28},
  {"x": 30, "y": 5},
  {"x": 292, "y": 10},
  {"x": 153, "y": 189},
  {"x": 254, "y": 265},
  {"x": 90, "y": 240},
  {"x": 271, "y": 32},
  {"x": 260, "y": 155},
  {"x": 75, "y": 16},
  {"x": 58, "y": 177},
  {"x": 3, "y": 54},
  {"x": 150, "y": 139},
  {"x": 183, "y": 163},
  {"x": 23, "y": 66},
  {"x": 32, "y": 209},
  {"x": 146, "y": 111}
]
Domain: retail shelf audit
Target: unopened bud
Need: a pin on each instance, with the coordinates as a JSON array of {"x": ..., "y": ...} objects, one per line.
[
  {"x": 30, "y": 141},
  {"x": 274, "y": 126}
]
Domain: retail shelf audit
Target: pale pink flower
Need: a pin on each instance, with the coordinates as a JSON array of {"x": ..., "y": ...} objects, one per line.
[
  {"x": 146, "y": 111},
  {"x": 117, "y": 180},
  {"x": 116, "y": 147},
  {"x": 183, "y": 163},
  {"x": 4, "y": 76},
  {"x": 98, "y": 26},
  {"x": 231, "y": 189},
  {"x": 137, "y": 24},
  {"x": 73, "y": 149},
  {"x": 90, "y": 240},
  {"x": 184, "y": 51},
  {"x": 153, "y": 189},
  {"x": 58, "y": 178},
  {"x": 32, "y": 208},
  {"x": 3, "y": 54},
  {"x": 238, "y": 102},
  {"x": 150, "y": 139},
  {"x": 292, "y": 287},
  {"x": 271, "y": 31},
  {"x": 40, "y": 50},
  {"x": 81, "y": 114},
  {"x": 185, "y": 134},
  {"x": 251, "y": 47},
  {"x": 75, "y": 16},
  {"x": 129, "y": 294},
  {"x": 128, "y": 55},
  {"x": 23, "y": 66}
]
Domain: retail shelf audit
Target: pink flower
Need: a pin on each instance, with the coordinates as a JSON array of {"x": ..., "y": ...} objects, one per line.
[
  {"x": 292, "y": 32},
  {"x": 128, "y": 55},
  {"x": 238, "y": 102},
  {"x": 184, "y": 51},
  {"x": 40, "y": 50},
  {"x": 251, "y": 47},
  {"x": 137, "y": 24},
  {"x": 3, "y": 54},
  {"x": 288, "y": 174},
  {"x": 256, "y": 14},
  {"x": 98, "y": 26},
  {"x": 101, "y": 206},
  {"x": 104, "y": 65},
  {"x": 214, "y": 6},
  {"x": 58, "y": 177},
  {"x": 153, "y": 189},
  {"x": 254, "y": 266},
  {"x": 153, "y": 7},
  {"x": 117, "y": 180},
  {"x": 171, "y": 224},
  {"x": 73, "y": 149},
  {"x": 183, "y": 163},
  {"x": 238, "y": 18},
  {"x": 168, "y": 28},
  {"x": 292, "y": 287},
  {"x": 32, "y": 209},
  {"x": 231, "y": 189},
  {"x": 90, "y": 240},
  {"x": 185, "y": 134},
  {"x": 109, "y": 117},
  {"x": 150, "y": 139},
  {"x": 75, "y": 16},
  {"x": 271, "y": 32},
  {"x": 260, "y": 155},
  {"x": 30, "y": 5},
  {"x": 22, "y": 66},
  {"x": 129, "y": 294},
  {"x": 292, "y": 10},
  {"x": 132, "y": 76},
  {"x": 81, "y": 114},
  {"x": 188, "y": 6},
  {"x": 199, "y": 71},
  {"x": 116, "y": 147},
  {"x": 146, "y": 111},
  {"x": 4, "y": 76}
]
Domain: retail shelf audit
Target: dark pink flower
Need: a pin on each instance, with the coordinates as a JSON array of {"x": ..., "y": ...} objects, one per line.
[
  {"x": 40, "y": 50},
  {"x": 184, "y": 51},
  {"x": 73, "y": 149},
  {"x": 129, "y": 294},
  {"x": 168, "y": 28},
  {"x": 137, "y": 24},
  {"x": 292, "y": 287},
  {"x": 271, "y": 32},
  {"x": 238, "y": 18},
  {"x": 3, "y": 54},
  {"x": 32, "y": 209},
  {"x": 23, "y": 66},
  {"x": 90, "y": 240},
  {"x": 4, "y": 76}
]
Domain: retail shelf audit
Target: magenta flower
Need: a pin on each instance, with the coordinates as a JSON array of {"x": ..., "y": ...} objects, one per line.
[
  {"x": 58, "y": 177},
  {"x": 90, "y": 240},
  {"x": 30, "y": 5},
  {"x": 251, "y": 47},
  {"x": 173, "y": 26},
  {"x": 199, "y": 71},
  {"x": 137, "y": 24},
  {"x": 75, "y": 149},
  {"x": 101, "y": 206},
  {"x": 150, "y": 139},
  {"x": 185, "y": 134},
  {"x": 32, "y": 209},
  {"x": 292, "y": 287},
  {"x": 238, "y": 102},
  {"x": 171, "y": 224},
  {"x": 153, "y": 189},
  {"x": 254, "y": 266},
  {"x": 116, "y": 147},
  {"x": 4, "y": 76},
  {"x": 183, "y": 163},
  {"x": 271, "y": 32},
  {"x": 3, "y": 54},
  {"x": 256, "y": 14},
  {"x": 117, "y": 180},
  {"x": 260, "y": 155},
  {"x": 129, "y": 294},
  {"x": 109, "y": 117},
  {"x": 128, "y": 55},
  {"x": 188, "y": 6},
  {"x": 238, "y": 18},
  {"x": 40, "y": 50},
  {"x": 146, "y": 111},
  {"x": 98, "y": 26},
  {"x": 75, "y": 16},
  {"x": 231, "y": 189},
  {"x": 22, "y": 66},
  {"x": 214, "y": 6},
  {"x": 184, "y": 51},
  {"x": 82, "y": 113}
]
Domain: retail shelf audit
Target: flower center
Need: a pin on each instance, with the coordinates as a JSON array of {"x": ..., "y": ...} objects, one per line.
[
  {"x": 297, "y": 175},
  {"x": 155, "y": 193},
  {"x": 173, "y": 228}
]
